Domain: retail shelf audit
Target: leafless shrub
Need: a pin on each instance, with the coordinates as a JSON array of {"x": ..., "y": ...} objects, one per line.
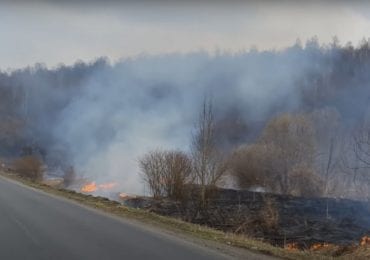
[
  {"x": 166, "y": 173},
  {"x": 247, "y": 164},
  {"x": 29, "y": 167},
  {"x": 152, "y": 168},
  {"x": 177, "y": 174},
  {"x": 282, "y": 159},
  {"x": 303, "y": 181},
  {"x": 290, "y": 142}
]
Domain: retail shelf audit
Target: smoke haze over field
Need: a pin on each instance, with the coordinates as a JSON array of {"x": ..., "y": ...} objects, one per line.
[
  {"x": 103, "y": 117},
  {"x": 100, "y": 117}
]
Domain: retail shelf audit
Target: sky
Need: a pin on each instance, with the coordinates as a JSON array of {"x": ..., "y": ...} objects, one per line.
[{"x": 55, "y": 32}]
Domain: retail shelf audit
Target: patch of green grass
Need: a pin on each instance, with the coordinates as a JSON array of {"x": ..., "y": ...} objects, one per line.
[{"x": 172, "y": 224}]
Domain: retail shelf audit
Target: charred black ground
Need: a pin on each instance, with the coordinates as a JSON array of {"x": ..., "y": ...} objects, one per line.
[{"x": 277, "y": 219}]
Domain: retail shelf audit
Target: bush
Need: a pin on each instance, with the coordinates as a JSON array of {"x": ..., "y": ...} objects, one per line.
[
  {"x": 29, "y": 167},
  {"x": 247, "y": 164},
  {"x": 282, "y": 160},
  {"x": 178, "y": 173},
  {"x": 303, "y": 181},
  {"x": 166, "y": 173}
]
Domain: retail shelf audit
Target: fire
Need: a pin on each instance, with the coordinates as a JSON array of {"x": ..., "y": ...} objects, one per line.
[
  {"x": 365, "y": 241},
  {"x": 292, "y": 246},
  {"x": 90, "y": 187},
  {"x": 319, "y": 246},
  {"x": 125, "y": 196}
]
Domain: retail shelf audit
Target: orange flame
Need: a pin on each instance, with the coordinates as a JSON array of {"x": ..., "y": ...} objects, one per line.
[
  {"x": 292, "y": 246},
  {"x": 125, "y": 196},
  {"x": 90, "y": 187},
  {"x": 365, "y": 241},
  {"x": 320, "y": 246}
]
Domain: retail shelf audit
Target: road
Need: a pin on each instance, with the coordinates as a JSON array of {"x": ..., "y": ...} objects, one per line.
[{"x": 36, "y": 225}]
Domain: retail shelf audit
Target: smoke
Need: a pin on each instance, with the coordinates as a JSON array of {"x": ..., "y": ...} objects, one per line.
[{"x": 101, "y": 117}]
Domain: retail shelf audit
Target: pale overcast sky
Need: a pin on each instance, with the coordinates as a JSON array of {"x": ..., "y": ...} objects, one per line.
[{"x": 50, "y": 32}]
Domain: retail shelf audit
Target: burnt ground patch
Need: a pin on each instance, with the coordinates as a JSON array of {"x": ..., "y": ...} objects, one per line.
[{"x": 278, "y": 219}]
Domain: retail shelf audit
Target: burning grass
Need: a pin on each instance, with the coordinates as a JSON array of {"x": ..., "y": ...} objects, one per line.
[
  {"x": 365, "y": 241},
  {"x": 93, "y": 187},
  {"x": 90, "y": 187},
  {"x": 198, "y": 232}
]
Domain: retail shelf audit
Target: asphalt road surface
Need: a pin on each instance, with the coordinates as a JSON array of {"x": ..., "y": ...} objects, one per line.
[{"x": 35, "y": 225}]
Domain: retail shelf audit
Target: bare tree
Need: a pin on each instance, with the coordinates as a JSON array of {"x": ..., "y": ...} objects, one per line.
[
  {"x": 356, "y": 163},
  {"x": 330, "y": 147},
  {"x": 208, "y": 163},
  {"x": 362, "y": 146}
]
